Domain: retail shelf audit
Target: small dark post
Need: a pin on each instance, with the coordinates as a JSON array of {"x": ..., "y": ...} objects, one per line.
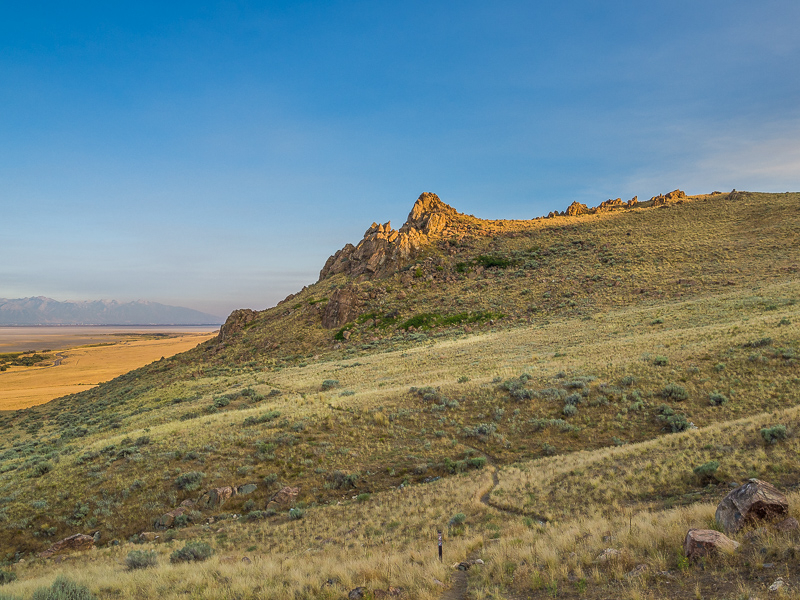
[{"x": 440, "y": 545}]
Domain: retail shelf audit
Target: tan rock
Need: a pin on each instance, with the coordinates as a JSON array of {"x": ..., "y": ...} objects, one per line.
[
  {"x": 750, "y": 503},
  {"x": 576, "y": 208},
  {"x": 216, "y": 497},
  {"x": 706, "y": 542},
  {"x": 74, "y": 543},
  {"x": 148, "y": 536},
  {"x": 167, "y": 520},
  {"x": 283, "y": 498}
]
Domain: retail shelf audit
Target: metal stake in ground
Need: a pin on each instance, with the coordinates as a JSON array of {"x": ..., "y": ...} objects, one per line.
[{"x": 440, "y": 544}]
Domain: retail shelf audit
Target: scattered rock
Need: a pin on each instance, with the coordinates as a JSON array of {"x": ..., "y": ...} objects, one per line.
[
  {"x": 283, "y": 498},
  {"x": 754, "y": 501},
  {"x": 706, "y": 542},
  {"x": 216, "y": 497},
  {"x": 636, "y": 571},
  {"x": 358, "y": 594},
  {"x": 246, "y": 560},
  {"x": 608, "y": 554},
  {"x": 776, "y": 585},
  {"x": 148, "y": 536},
  {"x": 788, "y": 524},
  {"x": 188, "y": 503},
  {"x": 755, "y": 534},
  {"x": 73, "y": 543}
]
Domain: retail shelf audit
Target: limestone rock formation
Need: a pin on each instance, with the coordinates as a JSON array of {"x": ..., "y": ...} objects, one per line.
[
  {"x": 342, "y": 307},
  {"x": 576, "y": 208},
  {"x": 73, "y": 543},
  {"x": 754, "y": 501},
  {"x": 383, "y": 247},
  {"x": 283, "y": 498},
  {"x": 236, "y": 322},
  {"x": 664, "y": 199},
  {"x": 216, "y": 497},
  {"x": 706, "y": 542}
]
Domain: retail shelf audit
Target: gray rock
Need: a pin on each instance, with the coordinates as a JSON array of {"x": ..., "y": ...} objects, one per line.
[{"x": 754, "y": 501}]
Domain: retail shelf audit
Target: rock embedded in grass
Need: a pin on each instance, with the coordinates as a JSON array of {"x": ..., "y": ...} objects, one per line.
[
  {"x": 752, "y": 502},
  {"x": 706, "y": 542}
]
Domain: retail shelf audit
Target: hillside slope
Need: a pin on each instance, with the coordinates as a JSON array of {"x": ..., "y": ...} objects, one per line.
[{"x": 465, "y": 346}]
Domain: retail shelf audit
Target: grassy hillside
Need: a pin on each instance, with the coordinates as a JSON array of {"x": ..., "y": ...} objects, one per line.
[{"x": 554, "y": 381}]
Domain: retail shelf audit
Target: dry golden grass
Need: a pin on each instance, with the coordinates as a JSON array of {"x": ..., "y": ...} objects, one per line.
[
  {"x": 696, "y": 285},
  {"x": 84, "y": 367}
]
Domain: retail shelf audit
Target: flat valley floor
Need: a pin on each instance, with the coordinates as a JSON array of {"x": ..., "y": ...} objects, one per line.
[{"x": 84, "y": 357}]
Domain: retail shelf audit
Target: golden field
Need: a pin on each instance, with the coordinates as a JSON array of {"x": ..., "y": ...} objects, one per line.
[{"x": 84, "y": 367}]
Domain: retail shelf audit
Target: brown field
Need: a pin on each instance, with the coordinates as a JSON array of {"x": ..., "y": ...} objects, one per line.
[{"x": 84, "y": 367}]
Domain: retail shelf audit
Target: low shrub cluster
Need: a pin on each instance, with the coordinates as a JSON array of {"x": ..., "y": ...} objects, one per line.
[
  {"x": 192, "y": 552},
  {"x": 772, "y": 435},
  {"x": 141, "y": 559}
]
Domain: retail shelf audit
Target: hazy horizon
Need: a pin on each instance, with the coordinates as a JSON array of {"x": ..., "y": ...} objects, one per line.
[{"x": 213, "y": 155}]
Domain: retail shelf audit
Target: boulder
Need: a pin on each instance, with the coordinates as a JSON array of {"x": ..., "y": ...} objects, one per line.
[
  {"x": 358, "y": 594},
  {"x": 750, "y": 503},
  {"x": 283, "y": 498},
  {"x": 216, "y": 497},
  {"x": 342, "y": 307},
  {"x": 148, "y": 536},
  {"x": 73, "y": 543},
  {"x": 167, "y": 520},
  {"x": 706, "y": 542},
  {"x": 247, "y": 488}
]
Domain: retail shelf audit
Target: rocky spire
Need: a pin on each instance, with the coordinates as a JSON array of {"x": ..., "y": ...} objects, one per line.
[{"x": 383, "y": 247}]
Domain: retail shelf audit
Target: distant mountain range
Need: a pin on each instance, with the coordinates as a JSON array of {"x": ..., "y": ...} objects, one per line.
[{"x": 46, "y": 311}]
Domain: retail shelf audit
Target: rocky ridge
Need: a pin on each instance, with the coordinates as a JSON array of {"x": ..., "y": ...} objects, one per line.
[{"x": 383, "y": 247}]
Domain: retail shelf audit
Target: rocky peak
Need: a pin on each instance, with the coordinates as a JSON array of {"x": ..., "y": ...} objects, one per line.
[
  {"x": 429, "y": 214},
  {"x": 383, "y": 248}
]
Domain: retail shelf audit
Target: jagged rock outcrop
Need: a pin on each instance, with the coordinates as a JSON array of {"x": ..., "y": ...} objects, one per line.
[
  {"x": 383, "y": 247},
  {"x": 342, "y": 307},
  {"x": 236, "y": 322},
  {"x": 754, "y": 501},
  {"x": 73, "y": 543},
  {"x": 576, "y": 208},
  {"x": 706, "y": 542},
  {"x": 664, "y": 199}
]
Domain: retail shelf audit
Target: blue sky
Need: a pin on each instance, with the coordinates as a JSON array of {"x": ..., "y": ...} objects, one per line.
[{"x": 213, "y": 155}]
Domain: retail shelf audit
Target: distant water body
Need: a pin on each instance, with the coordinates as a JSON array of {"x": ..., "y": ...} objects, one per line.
[{"x": 49, "y": 337}]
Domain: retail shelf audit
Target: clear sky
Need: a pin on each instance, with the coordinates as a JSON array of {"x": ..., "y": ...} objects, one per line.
[{"x": 213, "y": 155}]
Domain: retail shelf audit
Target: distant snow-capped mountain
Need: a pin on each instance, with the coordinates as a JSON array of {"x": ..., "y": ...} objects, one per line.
[{"x": 46, "y": 311}]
